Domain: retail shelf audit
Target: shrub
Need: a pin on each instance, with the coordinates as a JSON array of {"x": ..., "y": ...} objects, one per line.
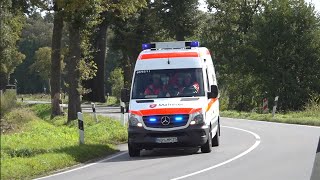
[
  {"x": 16, "y": 119},
  {"x": 116, "y": 79},
  {"x": 313, "y": 105},
  {"x": 8, "y": 102},
  {"x": 223, "y": 99}
]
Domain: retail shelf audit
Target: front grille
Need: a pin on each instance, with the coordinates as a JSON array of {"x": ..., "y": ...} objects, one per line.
[{"x": 177, "y": 120}]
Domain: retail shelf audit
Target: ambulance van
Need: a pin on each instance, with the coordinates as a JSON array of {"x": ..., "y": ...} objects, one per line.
[{"x": 173, "y": 100}]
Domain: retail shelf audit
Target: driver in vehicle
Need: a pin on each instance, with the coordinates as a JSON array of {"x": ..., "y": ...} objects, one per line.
[{"x": 156, "y": 88}]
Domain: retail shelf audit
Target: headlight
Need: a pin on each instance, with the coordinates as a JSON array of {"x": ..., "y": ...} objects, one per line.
[
  {"x": 197, "y": 118},
  {"x": 134, "y": 121}
]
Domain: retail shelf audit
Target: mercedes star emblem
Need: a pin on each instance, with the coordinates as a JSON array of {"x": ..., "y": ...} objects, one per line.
[{"x": 165, "y": 120}]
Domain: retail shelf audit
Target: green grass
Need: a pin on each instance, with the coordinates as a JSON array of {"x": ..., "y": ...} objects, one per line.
[
  {"x": 34, "y": 97},
  {"x": 302, "y": 117},
  {"x": 45, "y": 145}
]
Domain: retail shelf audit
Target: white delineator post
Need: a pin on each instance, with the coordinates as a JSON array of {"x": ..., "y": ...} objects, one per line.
[
  {"x": 94, "y": 112},
  {"x": 265, "y": 105},
  {"x": 81, "y": 128},
  {"x": 122, "y": 108},
  {"x": 274, "y": 109}
]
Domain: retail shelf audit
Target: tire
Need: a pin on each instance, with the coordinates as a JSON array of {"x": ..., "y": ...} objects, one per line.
[
  {"x": 133, "y": 151},
  {"x": 215, "y": 139},
  {"x": 207, "y": 147}
]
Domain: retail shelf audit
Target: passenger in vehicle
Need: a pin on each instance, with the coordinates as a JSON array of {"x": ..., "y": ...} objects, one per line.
[
  {"x": 176, "y": 84},
  {"x": 190, "y": 86}
]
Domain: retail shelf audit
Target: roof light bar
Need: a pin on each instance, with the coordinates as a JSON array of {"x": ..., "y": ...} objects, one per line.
[{"x": 171, "y": 45}]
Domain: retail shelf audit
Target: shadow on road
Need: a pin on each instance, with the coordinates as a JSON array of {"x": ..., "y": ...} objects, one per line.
[{"x": 156, "y": 154}]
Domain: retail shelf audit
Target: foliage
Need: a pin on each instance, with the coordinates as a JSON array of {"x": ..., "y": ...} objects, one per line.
[
  {"x": 15, "y": 120},
  {"x": 179, "y": 18},
  {"x": 31, "y": 153},
  {"x": 11, "y": 23},
  {"x": 298, "y": 117},
  {"x": 286, "y": 40},
  {"x": 36, "y": 33},
  {"x": 8, "y": 102},
  {"x": 42, "y": 63},
  {"x": 116, "y": 79},
  {"x": 265, "y": 49}
]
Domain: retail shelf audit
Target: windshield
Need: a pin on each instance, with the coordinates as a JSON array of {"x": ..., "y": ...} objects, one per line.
[{"x": 168, "y": 83}]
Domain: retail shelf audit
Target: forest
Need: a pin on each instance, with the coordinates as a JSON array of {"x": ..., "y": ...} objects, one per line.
[{"x": 88, "y": 48}]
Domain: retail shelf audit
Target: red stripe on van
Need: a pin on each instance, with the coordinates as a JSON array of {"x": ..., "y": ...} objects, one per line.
[
  {"x": 165, "y": 111},
  {"x": 168, "y": 55},
  {"x": 210, "y": 103}
]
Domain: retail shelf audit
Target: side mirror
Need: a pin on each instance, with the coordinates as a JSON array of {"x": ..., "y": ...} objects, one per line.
[
  {"x": 214, "y": 92},
  {"x": 125, "y": 95}
]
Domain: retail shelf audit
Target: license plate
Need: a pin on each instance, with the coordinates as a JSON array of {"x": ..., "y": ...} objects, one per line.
[{"x": 167, "y": 140}]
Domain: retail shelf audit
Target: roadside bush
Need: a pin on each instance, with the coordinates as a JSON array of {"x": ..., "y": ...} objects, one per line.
[
  {"x": 223, "y": 99},
  {"x": 313, "y": 105},
  {"x": 8, "y": 102},
  {"x": 116, "y": 79},
  {"x": 15, "y": 120}
]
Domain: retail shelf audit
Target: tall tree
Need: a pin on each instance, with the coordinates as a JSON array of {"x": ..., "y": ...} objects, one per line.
[
  {"x": 55, "y": 82},
  {"x": 286, "y": 44},
  {"x": 81, "y": 17},
  {"x": 118, "y": 10},
  {"x": 226, "y": 34},
  {"x": 73, "y": 71},
  {"x": 11, "y": 23},
  {"x": 130, "y": 33},
  {"x": 42, "y": 63},
  {"x": 180, "y": 18},
  {"x": 99, "y": 44},
  {"x": 36, "y": 33}
]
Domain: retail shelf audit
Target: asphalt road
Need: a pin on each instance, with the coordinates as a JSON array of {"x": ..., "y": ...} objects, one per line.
[{"x": 249, "y": 150}]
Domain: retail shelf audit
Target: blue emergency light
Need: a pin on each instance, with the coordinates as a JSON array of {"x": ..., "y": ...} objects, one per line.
[
  {"x": 146, "y": 46},
  {"x": 152, "y": 119},
  {"x": 178, "y": 118},
  {"x": 194, "y": 44}
]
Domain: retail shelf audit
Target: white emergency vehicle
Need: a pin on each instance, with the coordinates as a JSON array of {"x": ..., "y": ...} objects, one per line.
[{"x": 173, "y": 100}]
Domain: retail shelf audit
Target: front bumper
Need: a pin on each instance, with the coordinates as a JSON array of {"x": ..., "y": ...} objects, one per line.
[{"x": 192, "y": 136}]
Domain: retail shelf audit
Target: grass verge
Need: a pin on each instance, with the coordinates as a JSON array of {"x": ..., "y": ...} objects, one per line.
[
  {"x": 44, "y": 145},
  {"x": 302, "y": 117}
]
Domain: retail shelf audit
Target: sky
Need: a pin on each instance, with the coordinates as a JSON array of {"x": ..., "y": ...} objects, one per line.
[{"x": 315, "y": 2}]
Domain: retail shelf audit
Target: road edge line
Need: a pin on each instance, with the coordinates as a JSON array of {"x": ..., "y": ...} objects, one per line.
[
  {"x": 85, "y": 166},
  {"x": 255, "y": 145}
]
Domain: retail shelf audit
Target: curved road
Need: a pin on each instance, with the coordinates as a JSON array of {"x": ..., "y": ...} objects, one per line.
[{"x": 249, "y": 150}]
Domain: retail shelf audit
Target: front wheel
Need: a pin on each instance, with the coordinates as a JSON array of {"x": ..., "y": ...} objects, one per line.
[
  {"x": 133, "y": 151},
  {"x": 207, "y": 147},
  {"x": 215, "y": 139}
]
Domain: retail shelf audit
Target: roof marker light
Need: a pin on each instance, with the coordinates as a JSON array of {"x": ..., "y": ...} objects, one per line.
[
  {"x": 146, "y": 46},
  {"x": 194, "y": 44}
]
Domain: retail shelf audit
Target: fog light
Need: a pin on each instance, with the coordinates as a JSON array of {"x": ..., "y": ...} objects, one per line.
[
  {"x": 192, "y": 122},
  {"x": 139, "y": 124}
]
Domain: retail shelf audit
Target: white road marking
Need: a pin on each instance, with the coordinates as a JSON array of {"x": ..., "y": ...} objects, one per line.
[
  {"x": 85, "y": 166},
  {"x": 278, "y": 123},
  {"x": 256, "y": 144}
]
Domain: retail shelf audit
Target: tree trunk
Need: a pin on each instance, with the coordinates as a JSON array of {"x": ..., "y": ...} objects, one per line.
[
  {"x": 97, "y": 84},
  {"x": 56, "y": 64},
  {"x": 73, "y": 72},
  {"x": 180, "y": 36}
]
